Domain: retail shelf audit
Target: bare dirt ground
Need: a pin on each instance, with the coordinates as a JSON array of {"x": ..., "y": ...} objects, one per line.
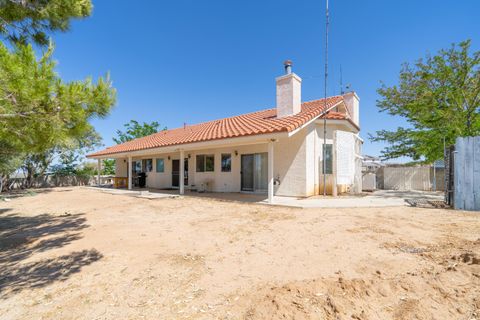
[{"x": 74, "y": 253}]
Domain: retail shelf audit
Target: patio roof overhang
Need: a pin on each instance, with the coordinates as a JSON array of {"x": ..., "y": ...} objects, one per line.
[{"x": 211, "y": 144}]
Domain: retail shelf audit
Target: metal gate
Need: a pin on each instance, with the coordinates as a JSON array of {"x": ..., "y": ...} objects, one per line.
[{"x": 449, "y": 175}]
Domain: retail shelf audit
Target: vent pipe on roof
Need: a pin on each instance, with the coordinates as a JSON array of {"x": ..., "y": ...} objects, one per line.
[
  {"x": 288, "y": 66},
  {"x": 289, "y": 91}
]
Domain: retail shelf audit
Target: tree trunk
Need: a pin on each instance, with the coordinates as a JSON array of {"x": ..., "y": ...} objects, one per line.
[{"x": 30, "y": 173}]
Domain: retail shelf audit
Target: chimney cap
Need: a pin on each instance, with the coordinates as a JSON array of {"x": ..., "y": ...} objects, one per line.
[{"x": 288, "y": 66}]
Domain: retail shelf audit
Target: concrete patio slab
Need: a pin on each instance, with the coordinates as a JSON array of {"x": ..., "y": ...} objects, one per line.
[{"x": 380, "y": 198}]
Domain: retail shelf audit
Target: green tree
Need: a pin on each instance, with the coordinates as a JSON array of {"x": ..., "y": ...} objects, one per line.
[
  {"x": 439, "y": 97},
  {"x": 136, "y": 130},
  {"x": 68, "y": 164},
  {"x": 108, "y": 167},
  {"x": 22, "y": 21},
  {"x": 40, "y": 115}
]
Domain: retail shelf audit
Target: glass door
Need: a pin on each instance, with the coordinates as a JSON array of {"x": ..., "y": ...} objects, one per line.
[
  {"x": 247, "y": 172},
  {"x": 176, "y": 173},
  {"x": 254, "y": 172},
  {"x": 261, "y": 172}
]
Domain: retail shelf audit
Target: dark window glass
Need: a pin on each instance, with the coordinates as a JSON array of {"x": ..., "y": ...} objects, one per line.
[
  {"x": 205, "y": 163},
  {"x": 226, "y": 162},
  {"x": 138, "y": 167},
  {"x": 148, "y": 165},
  {"x": 209, "y": 163},
  {"x": 328, "y": 159},
  {"x": 200, "y": 163}
]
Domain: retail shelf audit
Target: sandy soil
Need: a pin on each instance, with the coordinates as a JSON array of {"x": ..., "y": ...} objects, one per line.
[{"x": 76, "y": 253}]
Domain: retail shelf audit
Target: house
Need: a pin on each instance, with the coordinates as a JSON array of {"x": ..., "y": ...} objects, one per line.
[
  {"x": 371, "y": 163},
  {"x": 370, "y": 166},
  {"x": 276, "y": 151}
]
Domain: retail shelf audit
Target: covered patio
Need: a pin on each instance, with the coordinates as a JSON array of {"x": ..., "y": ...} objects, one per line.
[{"x": 244, "y": 168}]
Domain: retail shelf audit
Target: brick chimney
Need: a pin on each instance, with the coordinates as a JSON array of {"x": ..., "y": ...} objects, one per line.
[
  {"x": 289, "y": 92},
  {"x": 352, "y": 103}
]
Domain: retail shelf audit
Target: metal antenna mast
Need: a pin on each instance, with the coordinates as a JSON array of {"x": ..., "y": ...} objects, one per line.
[
  {"x": 324, "y": 151},
  {"x": 341, "y": 81}
]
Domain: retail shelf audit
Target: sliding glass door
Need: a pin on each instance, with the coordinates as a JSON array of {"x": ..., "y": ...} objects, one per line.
[{"x": 254, "y": 172}]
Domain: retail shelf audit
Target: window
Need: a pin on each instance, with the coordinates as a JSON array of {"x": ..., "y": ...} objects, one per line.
[
  {"x": 137, "y": 168},
  {"x": 328, "y": 159},
  {"x": 160, "y": 165},
  {"x": 226, "y": 162},
  {"x": 148, "y": 165},
  {"x": 205, "y": 163},
  {"x": 200, "y": 163},
  {"x": 209, "y": 163}
]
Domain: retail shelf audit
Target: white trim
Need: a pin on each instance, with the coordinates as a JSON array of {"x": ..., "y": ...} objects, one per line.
[{"x": 219, "y": 143}]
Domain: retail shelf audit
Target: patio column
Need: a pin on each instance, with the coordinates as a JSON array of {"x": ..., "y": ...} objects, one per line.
[
  {"x": 99, "y": 167},
  {"x": 270, "y": 172},
  {"x": 129, "y": 173},
  {"x": 182, "y": 172}
]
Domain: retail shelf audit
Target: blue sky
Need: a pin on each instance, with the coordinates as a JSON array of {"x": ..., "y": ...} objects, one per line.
[{"x": 193, "y": 61}]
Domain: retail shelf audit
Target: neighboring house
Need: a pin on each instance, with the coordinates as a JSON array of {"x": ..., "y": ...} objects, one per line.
[
  {"x": 370, "y": 166},
  {"x": 371, "y": 163},
  {"x": 276, "y": 151}
]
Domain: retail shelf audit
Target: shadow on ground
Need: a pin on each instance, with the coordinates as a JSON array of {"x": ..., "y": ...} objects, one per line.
[
  {"x": 18, "y": 193},
  {"x": 22, "y": 237}
]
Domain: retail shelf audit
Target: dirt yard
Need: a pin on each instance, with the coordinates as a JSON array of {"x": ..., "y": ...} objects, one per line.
[{"x": 77, "y": 253}]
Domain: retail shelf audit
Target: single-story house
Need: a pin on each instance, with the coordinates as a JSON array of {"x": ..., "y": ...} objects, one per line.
[{"x": 276, "y": 151}]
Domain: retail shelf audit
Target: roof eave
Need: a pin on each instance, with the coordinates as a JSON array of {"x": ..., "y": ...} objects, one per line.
[{"x": 216, "y": 143}]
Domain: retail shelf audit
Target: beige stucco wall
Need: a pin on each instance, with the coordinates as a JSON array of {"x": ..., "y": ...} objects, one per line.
[
  {"x": 289, "y": 167},
  {"x": 121, "y": 167},
  {"x": 297, "y": 164}
]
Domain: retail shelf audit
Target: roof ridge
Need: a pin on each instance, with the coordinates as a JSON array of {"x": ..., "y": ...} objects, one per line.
[{"x": 244, "y": 114}]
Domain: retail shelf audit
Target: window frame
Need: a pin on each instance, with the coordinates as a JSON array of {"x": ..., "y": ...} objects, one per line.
[{"x": 201, "y": 166}]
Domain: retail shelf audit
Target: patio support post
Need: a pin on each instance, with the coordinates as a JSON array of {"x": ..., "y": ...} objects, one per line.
[
  {"x": 182, "y": 172},
  {"x": 270, "y": 172},
  {"x": 99, "y": 167},
  {"x": 129, "y": 173}
]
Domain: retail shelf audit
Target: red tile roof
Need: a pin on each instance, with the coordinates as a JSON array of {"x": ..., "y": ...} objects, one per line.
[{"x": 255, "y": 123}]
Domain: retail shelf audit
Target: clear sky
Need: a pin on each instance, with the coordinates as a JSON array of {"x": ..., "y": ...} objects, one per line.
[{"x": 193, "y": 61}]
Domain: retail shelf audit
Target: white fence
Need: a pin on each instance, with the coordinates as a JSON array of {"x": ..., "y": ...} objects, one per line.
[
  {"x": 410, "y": 178},
  {"x": 467, "y": 173}
]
